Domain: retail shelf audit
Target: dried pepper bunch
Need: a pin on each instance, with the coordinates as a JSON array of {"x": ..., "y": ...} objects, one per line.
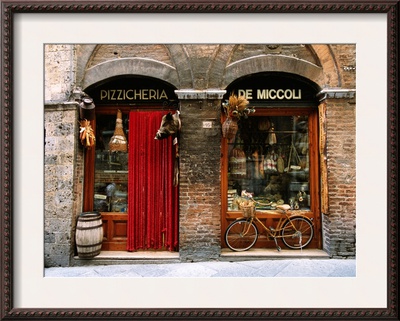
[{"x": 86, "y": 135}]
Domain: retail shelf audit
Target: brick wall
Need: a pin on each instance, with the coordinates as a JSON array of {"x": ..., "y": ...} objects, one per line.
[
  {"x": 339, "y": 225},
  {"x": 346, "y": 60},
  {"x": 113, "y": 51},
  {"x": 199, "y": 189},
  {"x": 252, "y": 50}
]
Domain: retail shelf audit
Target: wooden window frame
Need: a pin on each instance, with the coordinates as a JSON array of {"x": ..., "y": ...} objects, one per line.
[
  {"x": 90, "y": 154},
  {"x": 314, "y": 171}
]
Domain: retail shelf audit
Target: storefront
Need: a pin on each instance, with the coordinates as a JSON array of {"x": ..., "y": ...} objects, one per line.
[
  {"x": 297, "y": 148},
  {"x": 137, "y": 174},
  {"x": 274, "y": 155}
]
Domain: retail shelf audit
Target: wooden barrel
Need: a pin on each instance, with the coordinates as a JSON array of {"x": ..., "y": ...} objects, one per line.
[{"x": 89, "y": 234}]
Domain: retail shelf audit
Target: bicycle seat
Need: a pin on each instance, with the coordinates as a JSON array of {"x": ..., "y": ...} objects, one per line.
[{"x": 283, "y": 207}]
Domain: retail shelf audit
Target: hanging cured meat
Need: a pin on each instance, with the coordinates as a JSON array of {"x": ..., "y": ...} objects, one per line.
[
  {"x": 271, "y": 136},
  {"x": 255, "y": 158},
  {"x": 280, "y": 164},
  {"x": 118, "y": 142}
]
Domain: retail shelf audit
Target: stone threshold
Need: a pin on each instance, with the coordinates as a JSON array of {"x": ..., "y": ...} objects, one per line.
[
  {"x": 125, "y": 257},
  {"x": 262, "y": 254},
  {"x": 159, "y": 257}
]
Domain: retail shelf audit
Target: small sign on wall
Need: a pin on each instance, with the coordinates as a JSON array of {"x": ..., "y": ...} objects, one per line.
[{"x": 207, "y": 124}]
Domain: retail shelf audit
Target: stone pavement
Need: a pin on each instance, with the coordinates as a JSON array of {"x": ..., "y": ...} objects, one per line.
[{"x": 253, "y": 268}]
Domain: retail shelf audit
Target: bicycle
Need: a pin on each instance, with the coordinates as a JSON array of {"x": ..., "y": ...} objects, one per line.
[{"x": 295, "y": 230}]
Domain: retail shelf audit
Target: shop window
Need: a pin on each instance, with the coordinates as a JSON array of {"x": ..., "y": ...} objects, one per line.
[
  {"x": 111, "y": 167},
  {"x": 270, "y": 158}
]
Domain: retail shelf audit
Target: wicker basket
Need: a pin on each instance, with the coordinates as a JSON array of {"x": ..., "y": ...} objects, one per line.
[
  {"x": 248, "y": 210},
  {"x": 118, "y": 142},
  {"x": 229, "y": 128}
]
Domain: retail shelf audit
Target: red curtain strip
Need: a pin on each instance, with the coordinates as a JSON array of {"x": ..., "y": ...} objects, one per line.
[{"x": 152, "y": 198}]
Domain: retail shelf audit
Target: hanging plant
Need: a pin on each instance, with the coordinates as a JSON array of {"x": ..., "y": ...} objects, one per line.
[{"x": 235, "y": 108}]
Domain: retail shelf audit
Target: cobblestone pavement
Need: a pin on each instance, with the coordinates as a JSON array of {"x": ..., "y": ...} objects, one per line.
[{"x": 256, "y": 268}]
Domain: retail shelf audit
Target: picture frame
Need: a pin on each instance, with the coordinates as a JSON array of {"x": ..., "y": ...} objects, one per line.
[{"x": 11, "y": 10}]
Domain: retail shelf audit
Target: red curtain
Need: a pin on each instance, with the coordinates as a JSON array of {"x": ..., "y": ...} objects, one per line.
[{"x": 152, "y": 198}]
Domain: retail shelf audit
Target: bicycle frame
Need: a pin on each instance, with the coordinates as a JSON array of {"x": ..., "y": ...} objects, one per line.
[{"x": 275, "y": 232}]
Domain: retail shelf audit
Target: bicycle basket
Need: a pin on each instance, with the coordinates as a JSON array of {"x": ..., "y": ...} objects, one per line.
[{"x": 248, "y": 210}]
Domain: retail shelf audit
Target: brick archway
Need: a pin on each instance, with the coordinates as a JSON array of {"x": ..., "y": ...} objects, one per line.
[
  {"x": 178, "y": 72},
  {"x": 131, "y": 66},
  {"x": 273, "y": 63},
  {"x": 324, "y": 72},
  {"x": 331, "y": 72}
]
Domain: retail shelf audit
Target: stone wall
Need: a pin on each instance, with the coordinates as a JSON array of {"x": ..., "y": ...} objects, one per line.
[
  {"x": 63, "y": 169},
  {"x": 60, "y": 66},
  {"x": 61, "y": 197}
]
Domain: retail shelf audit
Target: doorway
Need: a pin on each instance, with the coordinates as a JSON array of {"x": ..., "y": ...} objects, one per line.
[{"x": 152, "y": 196}]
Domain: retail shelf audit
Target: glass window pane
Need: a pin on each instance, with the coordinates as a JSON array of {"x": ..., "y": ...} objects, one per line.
[
  {"x": 269, "y": 157},
  {"x": 111, "y": 168}
]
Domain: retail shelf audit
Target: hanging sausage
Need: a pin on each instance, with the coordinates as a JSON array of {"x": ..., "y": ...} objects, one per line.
[{"x": 118, "y": 142}]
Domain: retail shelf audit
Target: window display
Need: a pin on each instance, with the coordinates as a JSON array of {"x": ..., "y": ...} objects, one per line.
[
  {"x": 269, "y": 158},
  {"x": 111, "y": 165}
]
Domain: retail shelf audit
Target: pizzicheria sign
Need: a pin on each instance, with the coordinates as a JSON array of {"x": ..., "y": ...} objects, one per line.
[
  {"x": 132, "y": 94},
  {"x": 132, "y": 90}
]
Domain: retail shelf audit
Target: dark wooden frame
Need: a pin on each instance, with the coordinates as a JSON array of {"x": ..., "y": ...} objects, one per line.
[{"x": 10, "y": 8}]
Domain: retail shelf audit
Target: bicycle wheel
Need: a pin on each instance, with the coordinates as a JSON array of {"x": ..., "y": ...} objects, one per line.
[
  {"x": 297, "y": 232},
  {"x": 241, "y": 235}
]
